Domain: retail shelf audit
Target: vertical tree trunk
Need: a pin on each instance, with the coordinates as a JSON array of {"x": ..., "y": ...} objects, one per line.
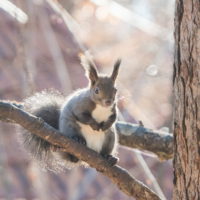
[{"x": 187, "y": 101}]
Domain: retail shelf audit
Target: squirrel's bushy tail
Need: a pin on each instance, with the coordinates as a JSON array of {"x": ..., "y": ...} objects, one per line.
[{"x": 47, "y": 105}]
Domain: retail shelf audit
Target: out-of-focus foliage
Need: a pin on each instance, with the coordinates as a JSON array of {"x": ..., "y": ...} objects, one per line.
[{"x": 39, "y": 47}]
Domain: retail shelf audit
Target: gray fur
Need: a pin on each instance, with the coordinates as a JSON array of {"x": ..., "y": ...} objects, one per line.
[
  {"x": 46, "y": 105},
  {"x": 77, "y": 112},
  {"x": 109, "y": 143},
  {"x": 78, "y": 108},
  {"x": 86, "y": 116},
  {"x": 115, "y": 70}
]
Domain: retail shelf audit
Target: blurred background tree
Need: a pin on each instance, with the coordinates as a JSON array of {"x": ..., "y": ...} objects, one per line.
[{"x": 39, "y": 46}]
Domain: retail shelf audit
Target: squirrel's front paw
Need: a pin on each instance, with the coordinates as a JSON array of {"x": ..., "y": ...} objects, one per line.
[
  {"x": 105, "y": 126},
  {"x": 96, "y": 126}
]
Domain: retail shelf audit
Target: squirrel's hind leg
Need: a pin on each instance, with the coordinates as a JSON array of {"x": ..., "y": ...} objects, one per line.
[
  {"x": 73, "y": 133},
  {"x": 69, "y": 156},
  {"x": 109, "y": 147}
]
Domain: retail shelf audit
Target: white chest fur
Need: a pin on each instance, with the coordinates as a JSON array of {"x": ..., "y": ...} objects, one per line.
[
  {"x": 101, "y": 113},
  {"x": 94, "y": 139}
]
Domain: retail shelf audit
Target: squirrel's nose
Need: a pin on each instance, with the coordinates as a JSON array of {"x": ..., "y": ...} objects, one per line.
[{"x": 108, "y": 102}]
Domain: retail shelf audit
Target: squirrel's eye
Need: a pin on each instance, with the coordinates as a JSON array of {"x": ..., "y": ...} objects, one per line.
[{"x": 96, "y": 90}]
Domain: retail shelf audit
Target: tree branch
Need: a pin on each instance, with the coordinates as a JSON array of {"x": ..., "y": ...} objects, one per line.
[
  {"x": 118, "y": 175},
  {"x": 142, "y": 138},
  {"x": 137, "y": 136}
]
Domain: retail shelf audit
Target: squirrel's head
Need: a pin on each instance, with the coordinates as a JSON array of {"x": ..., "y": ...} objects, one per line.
[{"x": 102, "y": 87}]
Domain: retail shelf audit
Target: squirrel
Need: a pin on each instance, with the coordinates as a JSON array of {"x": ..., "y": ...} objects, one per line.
[{"x": 87, "y": 116}]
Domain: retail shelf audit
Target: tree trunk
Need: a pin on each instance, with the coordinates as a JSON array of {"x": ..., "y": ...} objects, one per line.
[{"x": 187, "y": 101}]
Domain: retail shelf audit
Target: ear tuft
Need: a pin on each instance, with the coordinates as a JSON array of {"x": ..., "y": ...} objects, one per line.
[
  {"x": 115, "y": 69},
  {"x": 90, "y": 69}
]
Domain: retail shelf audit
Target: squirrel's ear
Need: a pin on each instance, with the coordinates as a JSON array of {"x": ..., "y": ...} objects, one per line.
[
  {"x": 90, "y": 69},
  {"x": 115, "y": 70}
]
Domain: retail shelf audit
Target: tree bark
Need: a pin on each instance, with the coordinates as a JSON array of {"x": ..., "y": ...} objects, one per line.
[{"x": 187, "y": 100}]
